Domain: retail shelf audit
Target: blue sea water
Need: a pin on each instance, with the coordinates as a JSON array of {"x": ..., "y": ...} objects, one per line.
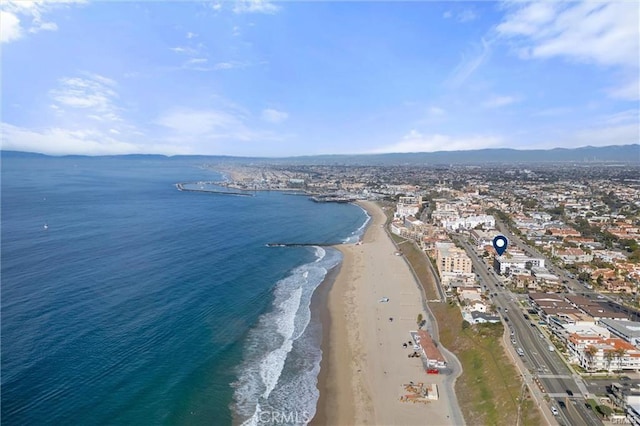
[{"x": 141, "y": 304}]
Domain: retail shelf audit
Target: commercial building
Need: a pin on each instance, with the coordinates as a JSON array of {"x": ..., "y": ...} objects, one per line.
[{"x": 430, "y": 351}]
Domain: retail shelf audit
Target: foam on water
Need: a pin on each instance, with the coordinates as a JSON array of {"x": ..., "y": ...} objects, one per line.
[
  {"x": 282, "y": 353},
  {"x": 358, "y": 233}
]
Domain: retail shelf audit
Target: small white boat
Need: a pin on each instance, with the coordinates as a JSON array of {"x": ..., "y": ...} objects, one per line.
[{"x": 46, "y": 226}]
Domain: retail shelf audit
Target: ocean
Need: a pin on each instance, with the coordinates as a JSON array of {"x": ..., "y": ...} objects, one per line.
[{"x": 126, "y": 301}]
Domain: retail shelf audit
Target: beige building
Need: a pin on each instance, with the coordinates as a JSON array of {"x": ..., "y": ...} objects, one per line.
[{"x": 452, "y": 259}]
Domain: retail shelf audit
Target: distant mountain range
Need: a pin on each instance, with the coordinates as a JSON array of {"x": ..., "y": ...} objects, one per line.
[{"x": 588, "y": 154}]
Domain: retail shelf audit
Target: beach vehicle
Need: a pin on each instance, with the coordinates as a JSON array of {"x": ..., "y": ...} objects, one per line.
[{"x": 384, "y": 300}]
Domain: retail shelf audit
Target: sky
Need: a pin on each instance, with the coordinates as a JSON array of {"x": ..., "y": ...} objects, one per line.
[{"x": 260, "y": 78}]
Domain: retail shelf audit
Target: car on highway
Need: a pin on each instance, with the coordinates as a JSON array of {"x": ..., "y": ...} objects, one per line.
[
  {"x": 554, "y": 411},
  {"x": 569, "y": 392},
  {"x": 561, "y": 404},
  {"x": 526, "y": 316},
  {"x": 513, "y": 341}
]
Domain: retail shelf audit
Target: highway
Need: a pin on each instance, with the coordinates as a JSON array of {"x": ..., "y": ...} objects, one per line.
[{"x": 554, "y": 375}]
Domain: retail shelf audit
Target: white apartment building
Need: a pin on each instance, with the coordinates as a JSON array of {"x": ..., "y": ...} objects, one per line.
[
  {"x": 608, "y": 354},
  {"x": 516, "y": 262},
  {"x": 407, "y": 206},
  {"x": 470, "y": 222}
]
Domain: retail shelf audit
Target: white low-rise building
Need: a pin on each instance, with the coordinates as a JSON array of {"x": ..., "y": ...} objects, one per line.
[
  {"x": 470, "y": 222},
  {"x": 508, "y": 263}
]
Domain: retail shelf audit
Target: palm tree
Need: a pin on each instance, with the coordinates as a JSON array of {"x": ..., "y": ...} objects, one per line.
[
  {"x": 590, "y": 352},
  {"x": 619, "y": 353},
  {"x": 608, "y": 357}
]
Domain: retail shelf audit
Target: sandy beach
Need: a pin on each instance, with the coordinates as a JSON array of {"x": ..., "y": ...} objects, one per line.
[{"x": 364, "y": 362}]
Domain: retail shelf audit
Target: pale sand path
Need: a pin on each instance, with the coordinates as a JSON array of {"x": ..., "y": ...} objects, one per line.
[{"x": 367, "y": 364}]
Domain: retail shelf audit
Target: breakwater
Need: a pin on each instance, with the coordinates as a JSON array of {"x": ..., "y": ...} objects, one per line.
[
  {"x": 302, "y": 244},
  {"x": 181, "y": 187}
]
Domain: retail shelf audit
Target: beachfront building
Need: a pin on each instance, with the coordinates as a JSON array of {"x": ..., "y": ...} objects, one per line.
[
  {"x": 430, "y": 351},
  {"x": 477, "y": 317},
  {"x": 408, "y": 206},
  {"x": 450, "y": 258}
]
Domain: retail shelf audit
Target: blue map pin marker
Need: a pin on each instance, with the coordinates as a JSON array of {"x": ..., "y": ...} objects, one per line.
[{"x": 500, "y": 243}]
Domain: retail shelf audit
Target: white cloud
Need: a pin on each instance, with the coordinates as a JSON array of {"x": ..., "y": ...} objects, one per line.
[
  {"x": 622, "y": 134},
  {"x": 595, "y": 32},
  {"x": 469, "y": 64},
  {"x": 630, "y": 116},
  {"x": 191, "y": 35},
  {"x": 499, "y": 101},
  {"x": 601, "y": 33},
  {"x": 10, "y": 29},
  {"x": 214, "y": 123},
  {"x": 183, "y": 49},
  {"x": 274, "y": 116},
  {"x": 466, "y": 15},
  {"x": 32, "y": 14},
  {"x": 63, "y": 141},
  {"x": 629, "y": 91},
  {"x": 229, "y": 65},
  {"x": 415, "y": 141},
  {"x": 92, "y": 92},
  {"x": 435, "y": 111},
  {"x": 45, "y": 26},
  {"x": 255, "y": 6},
  {"x": 553, "y": 112},
  {"x": 211, "y": 125}
]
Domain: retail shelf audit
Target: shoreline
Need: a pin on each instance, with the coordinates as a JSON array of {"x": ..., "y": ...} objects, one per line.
[
  {"x": 364, "y": 364},
  {"x": 320, "y": 311}
]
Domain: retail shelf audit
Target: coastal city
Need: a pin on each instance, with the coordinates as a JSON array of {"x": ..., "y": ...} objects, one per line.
[{"x": 560, "y": 304}]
